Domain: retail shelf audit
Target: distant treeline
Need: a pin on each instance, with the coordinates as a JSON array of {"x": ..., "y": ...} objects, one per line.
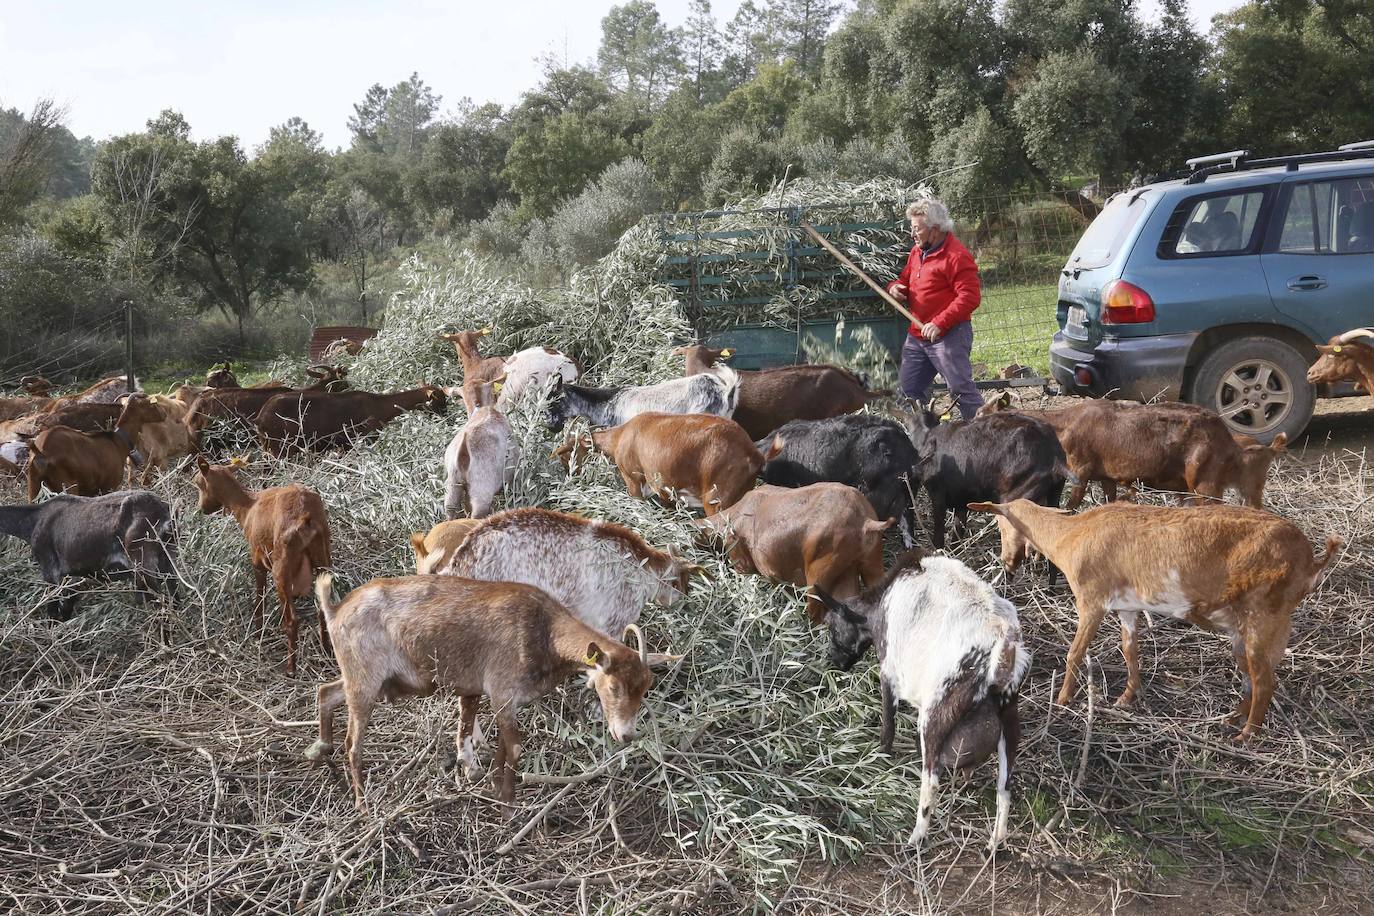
[{"x": 1032, "y": 92}]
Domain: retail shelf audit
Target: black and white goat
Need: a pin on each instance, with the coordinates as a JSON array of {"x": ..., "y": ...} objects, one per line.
[
  {"x": 124, "y": 533},
  {"x": 715, "y": 392},
  {"x": 948, "y": 645}
]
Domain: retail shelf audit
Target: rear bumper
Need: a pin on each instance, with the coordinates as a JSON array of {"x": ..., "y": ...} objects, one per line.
[{"x": 1135, "y": 368}]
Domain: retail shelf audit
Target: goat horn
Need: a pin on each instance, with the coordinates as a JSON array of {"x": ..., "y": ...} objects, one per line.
[
  {"x": 1352, "y": 335},
  {"x": 643, "y": 649}
]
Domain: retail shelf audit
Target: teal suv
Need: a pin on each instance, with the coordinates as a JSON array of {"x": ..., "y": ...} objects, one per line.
[{"x": 1214, "y": 286}]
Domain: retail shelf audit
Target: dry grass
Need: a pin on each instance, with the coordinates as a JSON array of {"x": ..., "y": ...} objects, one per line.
[{"x": 151, "y": 758}]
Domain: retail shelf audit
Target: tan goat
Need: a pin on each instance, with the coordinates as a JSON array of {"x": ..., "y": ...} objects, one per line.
[
  {"x": 709, "y": 459},
  {"x": 288, "y": 537},
  {"x": 475, "y": 365},
  {"x": 434, "y": 549},
  {"x": 1230, "y": 569},
  {"x": 824, "y": 535},
  {"x": 512, "y": 643}
]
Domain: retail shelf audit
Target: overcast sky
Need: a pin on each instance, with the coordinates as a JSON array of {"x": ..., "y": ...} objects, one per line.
[{"x": 241, "y": 67}]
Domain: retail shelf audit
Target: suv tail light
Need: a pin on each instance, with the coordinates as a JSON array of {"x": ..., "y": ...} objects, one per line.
[{"x": 1126, "y": 303}]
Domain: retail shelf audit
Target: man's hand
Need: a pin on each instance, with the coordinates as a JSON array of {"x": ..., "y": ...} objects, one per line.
[
  {"x": 897, "y": 289},
  {"x": 931, "y": 331}
]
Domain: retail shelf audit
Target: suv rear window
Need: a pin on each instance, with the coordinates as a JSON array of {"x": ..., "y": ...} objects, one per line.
[{"x": 1103, "y": 239}]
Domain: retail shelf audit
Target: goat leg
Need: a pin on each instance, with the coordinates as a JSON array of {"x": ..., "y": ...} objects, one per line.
[
  {"x": 1131, "y": 652},
  {"x": 289, "y": 623},
  {"x": 889, "y": 715},
  {"x": 259, "y": 598}
]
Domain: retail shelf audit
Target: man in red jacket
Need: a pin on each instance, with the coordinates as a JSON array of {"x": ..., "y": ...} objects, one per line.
[{"x": 941, "y": 288}]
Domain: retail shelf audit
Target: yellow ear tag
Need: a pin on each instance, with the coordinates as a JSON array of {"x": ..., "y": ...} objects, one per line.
[
  {"x": 590, "y": 661},
  {"x": 238, "y": 461},
  {"x": 727, "y": 352},
  {"x": 946, "y": 417},
  {"x": 1336, "y": 348},
  {"x": 496, "y": 386}
]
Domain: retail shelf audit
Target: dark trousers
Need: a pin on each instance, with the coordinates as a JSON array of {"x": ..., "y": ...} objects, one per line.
[{"x": 949, "y": 356}]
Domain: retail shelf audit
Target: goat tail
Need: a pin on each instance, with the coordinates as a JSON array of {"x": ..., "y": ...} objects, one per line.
[
  {"x": 324, "y": 588},
  {"x": 1334, "y": 545},
  {"x": 1009, "y": 662}
]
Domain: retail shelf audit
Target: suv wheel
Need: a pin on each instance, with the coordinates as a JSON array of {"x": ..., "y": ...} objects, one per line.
[{"x": 1258, "y": 385}]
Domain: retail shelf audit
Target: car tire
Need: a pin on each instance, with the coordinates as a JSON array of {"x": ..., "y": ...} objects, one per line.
[{"x": 1258, "y": 385}]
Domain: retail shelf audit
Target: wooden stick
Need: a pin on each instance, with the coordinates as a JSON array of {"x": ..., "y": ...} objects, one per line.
[{"x": 855, "y": 269}]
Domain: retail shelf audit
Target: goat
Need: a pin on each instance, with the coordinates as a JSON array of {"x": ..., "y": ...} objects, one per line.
[
  {"x": 482, "y": 457},
  {"x": 1346, "y": 356},
  {"x": 237, "y": 407},
  {"x": 1235, "y": 570},
  {"x": 603, "y": 572},
  {"x": 434, "y": 549},
  {"x": 321, "y": 420},
  {"x": 872, "y": 454},
  {"x": 511, "y": 643},
  {"x": 221, "y": 375},
  {"x": 166, "y": 439},
  {"x": 475, "y": 365},
  {"x": 715, "y": 393},
  {"x": 287, "y": 530},
  {"x": 698, "y": 458},
  {"x": 1167, "y": 446},
  {"x": 36, "y": 386},
  {"x": 327, "y": 378},
  {"x": 343, "y": 347},
  {"x": 823, "y": 535},
  {"x": 88, "y": 464},
  {"x": 533, "y": 368},
  {"x": 125, "y": 533},
  {"x": 1000, "y": 457},
  {"x": 769, "y": 398},
  {"x": 950, "y": 646}
]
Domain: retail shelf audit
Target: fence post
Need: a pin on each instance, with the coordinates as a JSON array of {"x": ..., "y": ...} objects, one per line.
[{"x": 129, "y": 344}]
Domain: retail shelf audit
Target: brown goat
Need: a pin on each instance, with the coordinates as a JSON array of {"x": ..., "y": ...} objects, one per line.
[
  {"x": 1346, "y": 356},
  {"x": 88, "y": 464},
  {"x": 1168, "y": 446},
  {"x": 475, "y": 365},
  {"x": 288, "y": 537},
  {"x": 434, "y": 549},
  {"x": 708, "y": 458},
  {"x": 1234, "y": 570},
  {"x": 512, "y": 643},
  {"x": 321, "y": 420},
  {"x": 824, "y": 535},
  {"x": 768, "y": 398}
]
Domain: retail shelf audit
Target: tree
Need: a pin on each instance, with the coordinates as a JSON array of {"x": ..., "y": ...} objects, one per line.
[
  {"x": 25, "y": 149},
  {"x": 800, "y": 27},
  {"x": 639, "y": 54},
  {"x": 204, "y": 218},
  {"x": 557, "y": 160},
  {"x": 680, "y": 144},
  {"x": 703, "y": 43},
  {"x": 1296, "y": 77},
  {"x": 461, "y": 168}
]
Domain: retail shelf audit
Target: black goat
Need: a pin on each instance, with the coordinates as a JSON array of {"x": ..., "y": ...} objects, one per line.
[
  {"x": 995, "y": 458},
  {"x": 124, "y": 533},
  {"x": 871, "y": 454}
]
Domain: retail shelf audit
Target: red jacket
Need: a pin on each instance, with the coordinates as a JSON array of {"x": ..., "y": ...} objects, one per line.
[{"x": 942, "y": 288}]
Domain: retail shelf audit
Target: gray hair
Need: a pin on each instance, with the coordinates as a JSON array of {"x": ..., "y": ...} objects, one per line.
[{"x": 935, "y": 212}]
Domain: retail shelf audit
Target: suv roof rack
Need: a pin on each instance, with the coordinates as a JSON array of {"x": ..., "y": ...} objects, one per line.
[{"x": 1240, "y": 161}]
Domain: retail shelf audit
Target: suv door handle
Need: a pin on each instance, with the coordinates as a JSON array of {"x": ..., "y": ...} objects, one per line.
[{"x": 1307, "y": 282}]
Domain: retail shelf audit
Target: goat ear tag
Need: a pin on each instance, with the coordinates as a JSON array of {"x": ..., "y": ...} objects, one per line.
[
  {"x": 1336, "y": 348},
  {"x": 946, "y": 417}
]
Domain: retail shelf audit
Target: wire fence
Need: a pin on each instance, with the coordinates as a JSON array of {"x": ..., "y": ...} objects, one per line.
[
  {"x": 753, "y": 278},
  {"x": 68, "y": 357}
]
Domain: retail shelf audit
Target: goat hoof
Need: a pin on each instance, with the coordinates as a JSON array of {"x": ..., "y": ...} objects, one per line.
[
  {"x": 1124, "y": 701},
  {"x": 317, "y": 750}
]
